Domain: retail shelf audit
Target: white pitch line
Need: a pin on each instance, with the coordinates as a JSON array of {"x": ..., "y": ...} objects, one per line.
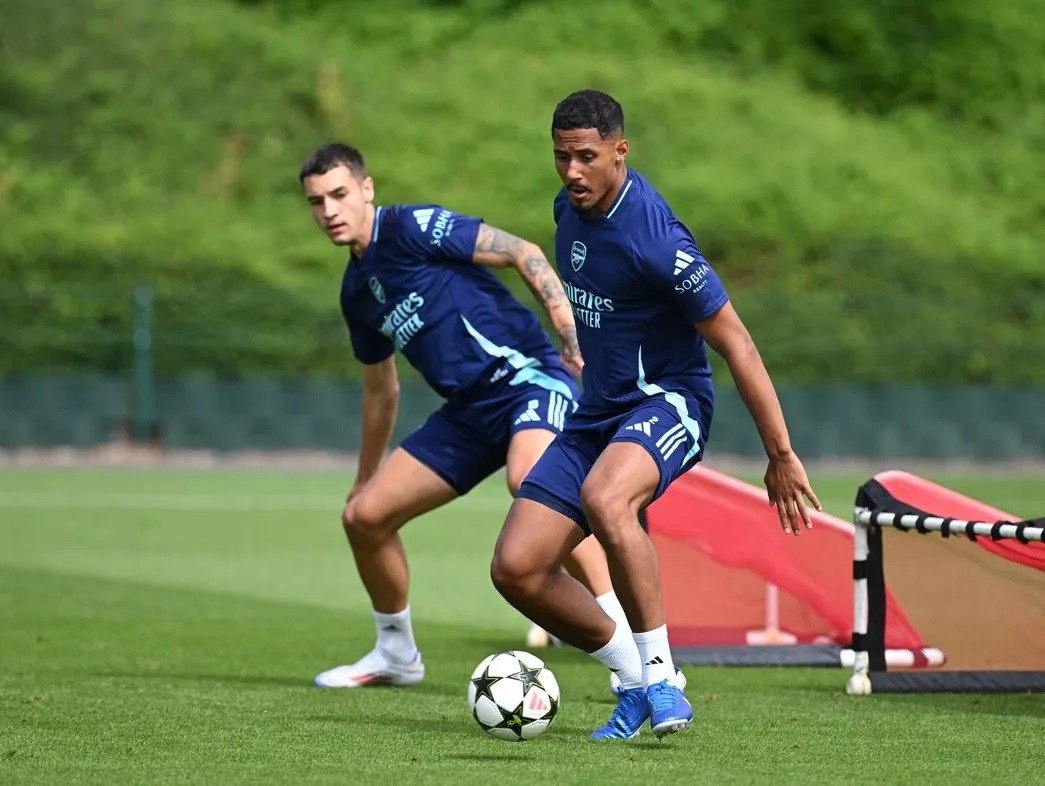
[
  {"x": 127, "y": 501},
  {"x": 199, "y": 501}
]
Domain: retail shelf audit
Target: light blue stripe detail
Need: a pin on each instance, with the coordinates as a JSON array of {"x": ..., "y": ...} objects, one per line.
[
  {"x": 526, "y": 373},
  {"x": 534, "y": 376},
  {"x": 625, "y": 190},
  {"x": 679, "y": 403},
  {"x": 377, "y": 225}
]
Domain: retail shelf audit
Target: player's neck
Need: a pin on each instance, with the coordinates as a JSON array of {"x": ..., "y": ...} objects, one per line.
[
  {"x": 359, "y": 246},
  {"x": 603, "y": 206}
]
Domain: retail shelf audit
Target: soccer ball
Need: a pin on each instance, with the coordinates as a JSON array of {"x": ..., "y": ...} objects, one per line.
[{"x": 513, "y": 696}]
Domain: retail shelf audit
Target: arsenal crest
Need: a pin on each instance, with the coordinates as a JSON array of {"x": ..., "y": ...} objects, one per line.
[
  {"x": 578, "y": 253},
  {"x": 377, "y": 290}
]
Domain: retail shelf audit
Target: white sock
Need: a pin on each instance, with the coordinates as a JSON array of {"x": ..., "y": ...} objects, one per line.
[
  {"x": 395, "y": 635},
  {"x": 620, "y": 656},
  {"x": 611, "y": 605},
  {"x": 655, "y": 655}
]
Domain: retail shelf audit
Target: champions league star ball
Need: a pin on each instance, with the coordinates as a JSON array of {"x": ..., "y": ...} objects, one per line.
[{"x": 513, "y": 696}]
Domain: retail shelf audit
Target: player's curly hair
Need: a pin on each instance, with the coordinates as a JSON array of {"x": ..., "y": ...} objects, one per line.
[
  {"x": 333, "y": 154},
  {"x": 589, "y": 109}
]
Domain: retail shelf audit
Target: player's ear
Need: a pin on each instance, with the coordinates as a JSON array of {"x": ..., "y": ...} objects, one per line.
[
  {"x": 621, "y": 150},
  {"x": 366, "y": 185}
]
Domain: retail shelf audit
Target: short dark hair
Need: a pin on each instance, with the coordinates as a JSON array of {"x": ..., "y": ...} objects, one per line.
[
  {"x": 331, "y": 155},
  {"x": 589, "y": 109}
]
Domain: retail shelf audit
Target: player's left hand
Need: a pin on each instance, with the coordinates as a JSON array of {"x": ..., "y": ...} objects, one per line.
[
  {"x": 573, "y": 361},
  {"x": 788, "y": 488}
]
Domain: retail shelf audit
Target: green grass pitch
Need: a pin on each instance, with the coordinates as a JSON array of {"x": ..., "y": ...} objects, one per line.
[{"x": 165, "y": 626}]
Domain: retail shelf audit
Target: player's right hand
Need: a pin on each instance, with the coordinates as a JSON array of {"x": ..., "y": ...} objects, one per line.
[{"x": 788, "y": 488}]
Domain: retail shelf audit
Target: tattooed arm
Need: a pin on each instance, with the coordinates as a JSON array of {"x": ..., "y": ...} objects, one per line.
[{"x": 496, "y": 248}]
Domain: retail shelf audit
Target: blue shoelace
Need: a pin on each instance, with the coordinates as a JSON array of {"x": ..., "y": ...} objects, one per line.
[{"x": 662, "y": 696}]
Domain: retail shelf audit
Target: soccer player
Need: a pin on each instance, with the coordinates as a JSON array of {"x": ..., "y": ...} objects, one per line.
[
  {"x": 417, "y": 282},
  {"x": 645, "y": 302}
]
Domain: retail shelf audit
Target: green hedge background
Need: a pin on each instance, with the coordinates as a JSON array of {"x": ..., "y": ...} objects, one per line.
[{"x": 867, "y": 177}]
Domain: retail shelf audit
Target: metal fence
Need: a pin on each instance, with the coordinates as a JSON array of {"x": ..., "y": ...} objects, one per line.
[
  {"x": 938, "y": 423},
  {"x": 252, "y": 368}
]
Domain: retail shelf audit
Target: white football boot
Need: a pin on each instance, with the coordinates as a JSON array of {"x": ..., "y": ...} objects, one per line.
[
  {"x": 374, "y": 668},
  {"x": 537, "y": 637}
]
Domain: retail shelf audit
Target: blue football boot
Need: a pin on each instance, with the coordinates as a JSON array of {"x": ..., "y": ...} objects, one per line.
[
  {"x": 668, "y": 709},
  {"x": 626, "y": 721}
]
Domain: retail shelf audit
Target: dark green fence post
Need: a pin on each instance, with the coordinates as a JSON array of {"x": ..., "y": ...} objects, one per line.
[{"x": 144, "y": 400}]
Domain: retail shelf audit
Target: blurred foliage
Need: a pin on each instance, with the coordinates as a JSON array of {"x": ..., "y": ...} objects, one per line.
[{"x": 866, "y": 177}]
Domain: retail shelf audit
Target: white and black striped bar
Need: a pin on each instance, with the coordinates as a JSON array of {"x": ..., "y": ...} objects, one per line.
[
  {"x": 947, "y": 527},
  {"x": 861, "y": 664},
  {"x": 868, "y": 644},
  {"x": 870, "y": 667},
  {"x": 806, "y": 655}
]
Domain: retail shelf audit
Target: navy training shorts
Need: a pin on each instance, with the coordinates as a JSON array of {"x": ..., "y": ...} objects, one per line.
[
  {"x": 466, "y": 443},
  {"x": 671, "y": 427}
]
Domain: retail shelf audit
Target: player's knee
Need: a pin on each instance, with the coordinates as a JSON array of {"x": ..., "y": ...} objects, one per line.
[
  {"x": 362, "y": 520},
  {"x": 608, "y": 512},
  {"x": 513, "y": 575}
]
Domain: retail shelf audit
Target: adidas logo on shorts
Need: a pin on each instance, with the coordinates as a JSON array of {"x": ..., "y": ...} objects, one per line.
[
  {"x": 530, "y": 415},
  {"x": 644, "y": 426}
]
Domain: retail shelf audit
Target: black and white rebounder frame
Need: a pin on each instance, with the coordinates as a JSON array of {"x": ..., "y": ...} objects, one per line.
[{"x": 876, "y": 508}]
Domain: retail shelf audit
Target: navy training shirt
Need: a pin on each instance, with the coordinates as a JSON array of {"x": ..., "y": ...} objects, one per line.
[
  {"x": 638, "y": 283},
  {"x": 417, "y": 290}
]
